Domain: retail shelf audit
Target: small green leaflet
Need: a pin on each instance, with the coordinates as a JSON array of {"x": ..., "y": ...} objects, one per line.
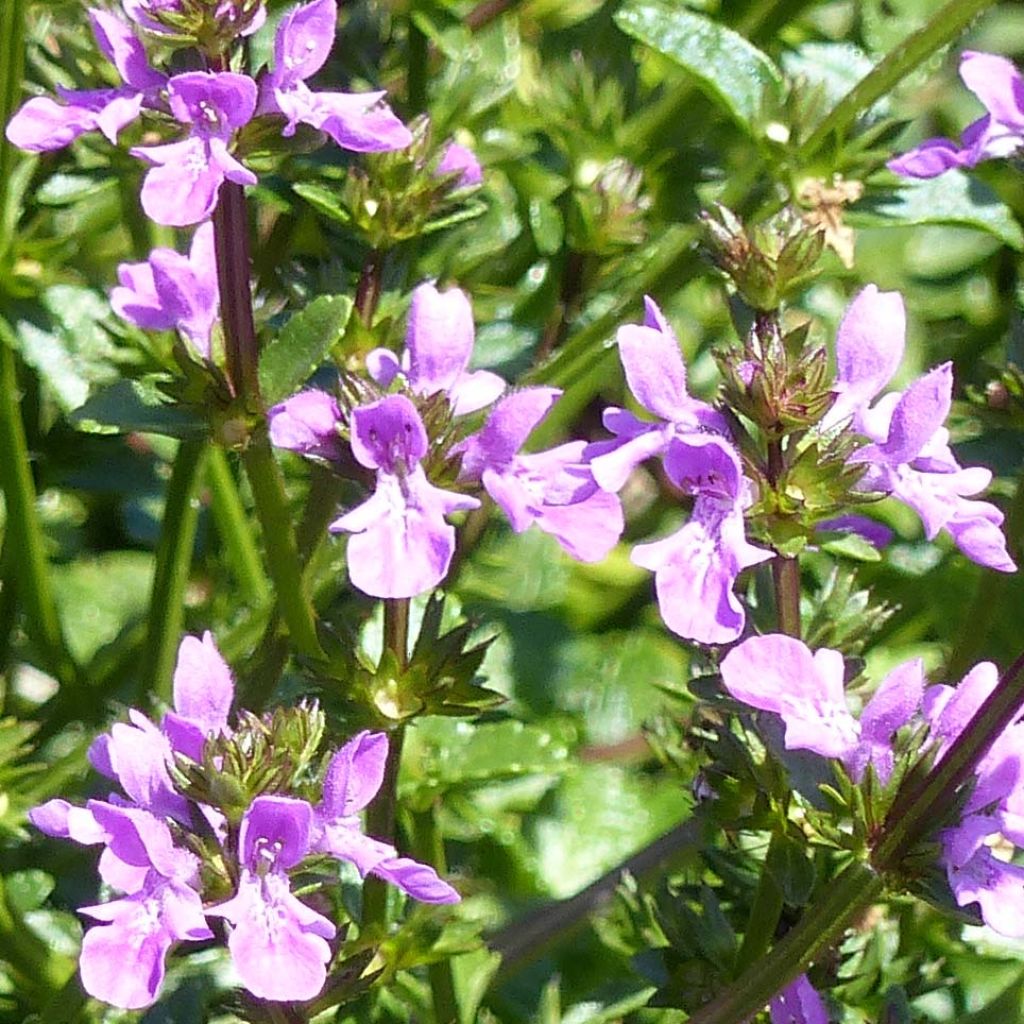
[{"x": 303, "y": 344}]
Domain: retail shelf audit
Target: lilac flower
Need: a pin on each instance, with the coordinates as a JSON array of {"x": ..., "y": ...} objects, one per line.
[
  {"x": 554, "y": 489},
  {"x": 1000, "y": 133},
  {"x": 438, "y": 347},
  {"x": 909, "y": 456},
  {"x": 798, "y": 1003},
  {"x": 173, "y": 291},
  {"x": 657, "y": 378},
  {"x": 182, "y": 186},
  {"x": 278, "y": 944},
  {"x": 696, "y": 567},
  {"x": 139, "y": 930},
  {"x": 203, "y": 691},
  {"x": 42, "y": 124},
  {"x": 460, "y": 160},
  {"x": 402, "y": 545},
  {"x": 353, "y": 778},
  {"x": 307, "y": 423},
  {"x": 356, "y": 121},
  {"x": 779, "y": 673}
]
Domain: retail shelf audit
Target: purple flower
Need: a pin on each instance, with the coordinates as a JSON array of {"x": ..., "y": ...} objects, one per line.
[
  {"x": 122, "y": 962},
  {"x": 402, "y": 545},
  {"x": 278, "y": 944},
  {"x": 554, "y": 489},
  {"x": 356, "y": 121},
  {"x": 798, "y": 1003},
  {"x": 909, "y": 456},
  {"x": 695, "y": 568},
  {"x": 182, "y": 186},
  {"x": 353, "y": 778},
  {"x": 203, "y": 691},
  {"x": 438, "y": 347},
  {"x": 460, "y": 160},
  {"x": 1000, "y": 133},
  {"x": 43, "y": 124},
  {"x": 307, "y": 423},
  {"x": 657, "y": 378},
  {"x": 173, "y": 291},
  {"x": 779, "y": 673}
]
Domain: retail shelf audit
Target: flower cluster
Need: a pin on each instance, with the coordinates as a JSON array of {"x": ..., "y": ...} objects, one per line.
[
  {"x": 999, "y": 133},
  {"x": 402, "y": 543},
  {"x": 695, "y": 568},
  {"x": 208, "y": 108},
  {"x": 909, "y": 456},
  {"x": 781, "y": 675},
  {"x": 180, "y": 860}
]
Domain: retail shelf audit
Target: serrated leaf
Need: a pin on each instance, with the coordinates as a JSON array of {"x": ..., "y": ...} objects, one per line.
[
  {"x": 131, "y": 405},
  {"x": 731, "y": 70},
  {"x": 951, "y": 198},
  {"x": 303, "y": 344}
]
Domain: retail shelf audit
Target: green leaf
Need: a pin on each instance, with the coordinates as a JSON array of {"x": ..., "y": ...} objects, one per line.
[
  {"x": 323, "y": 200},
  {"x": 791, "y": 870},
  {"x": 853, "y": 546},
  {"x": 303, "y": 344},
  {"x": 442, "y": 753},
  {"x": 135, "y": 405},
  {"x": 98, "y": 597},
  {"x": 952, "y": 198},
  {"x": 74, "y": 351},
  {"x": 736, "y": 74}
]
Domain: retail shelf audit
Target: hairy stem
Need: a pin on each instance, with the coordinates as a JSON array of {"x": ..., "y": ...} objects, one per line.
[
  {"x": 279, "y": 543},
  {"x": 785, "y": 569},
  {"x": 945, "y": 25},
  {"x": 368, "y": 289},
  {"x": 173, "y": 561},
  {"x": 23, "y": 526},
  {"x": 234, "y": 530},
  {"x": 231, "y": 239},
  {"x": 823, "y": 925},
  {"x": 924, "y": 803},
  {"x": 381, "y": 814}
]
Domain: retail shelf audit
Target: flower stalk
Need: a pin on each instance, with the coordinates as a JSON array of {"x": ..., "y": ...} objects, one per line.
[
  {"x": 173, "y": 561},
  {"x": 231, "y": 235}
]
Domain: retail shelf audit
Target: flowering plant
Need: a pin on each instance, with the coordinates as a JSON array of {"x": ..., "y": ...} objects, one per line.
[{"x": 510, "y": 514}]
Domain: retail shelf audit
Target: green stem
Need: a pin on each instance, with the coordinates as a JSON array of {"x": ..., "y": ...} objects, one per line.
[
  {"x": 234, "y": 529},
  {"x": 428, "y": 846},
  {"x": 945, "y": 25},
  {"x": 924, "y": 803},
  {"x": 23, "y": 525},
  {"x": 843, "y": 900},
  {"x": 381, "y": 814},
  {"x": 12, "y": 58},
  {"x": 173, "y": 561},
  {"x": 279, "y": 542},
  {"x": 765, "y": 912},
  {"x": 369, "y": 286}
]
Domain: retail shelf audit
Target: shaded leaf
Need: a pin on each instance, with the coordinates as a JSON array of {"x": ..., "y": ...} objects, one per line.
[{"x": 135, "y": 405}]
